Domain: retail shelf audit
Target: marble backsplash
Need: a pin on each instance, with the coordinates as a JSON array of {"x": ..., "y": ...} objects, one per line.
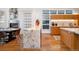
[{"x": 4, "y": 24}]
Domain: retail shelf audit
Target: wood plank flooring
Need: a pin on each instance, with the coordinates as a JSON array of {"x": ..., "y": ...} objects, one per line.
[{"x": 48, "y": 43}]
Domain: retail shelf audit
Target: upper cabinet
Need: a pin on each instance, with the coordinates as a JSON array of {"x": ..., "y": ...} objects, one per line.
[{"x": 63, "y": 14}]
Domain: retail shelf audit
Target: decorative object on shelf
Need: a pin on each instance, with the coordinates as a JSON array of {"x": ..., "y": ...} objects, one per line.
[
  {"x": 13, "y": 13},
  {"x": 37, "y": 23}
]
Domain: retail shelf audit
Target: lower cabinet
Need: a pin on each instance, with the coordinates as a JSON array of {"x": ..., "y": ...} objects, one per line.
[
  {"x": 76, "y": 42},
  {"x": 55, "y": 30},
  {"x": 69, "y": 40},
  {"x": 7, "y": 37}
]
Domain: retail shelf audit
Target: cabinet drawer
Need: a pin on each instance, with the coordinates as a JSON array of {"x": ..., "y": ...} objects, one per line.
[{"x": 55, "y": 30}]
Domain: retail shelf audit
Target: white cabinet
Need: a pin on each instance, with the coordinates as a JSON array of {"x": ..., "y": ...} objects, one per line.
[{"x": 25, "y": 17}]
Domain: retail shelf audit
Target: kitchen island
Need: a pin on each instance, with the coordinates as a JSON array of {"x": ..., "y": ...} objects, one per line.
[
  {"x": 55, "y": 30},
  {"x": 70, "y": 38},
  {"x": 8, "y": 34},
  {"x": 30, "y": 38}
]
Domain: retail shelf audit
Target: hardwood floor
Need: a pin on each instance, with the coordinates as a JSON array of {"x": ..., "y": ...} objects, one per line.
[
  {"x": 48, "y": 43},
  {"x": 13, "y": 45}
]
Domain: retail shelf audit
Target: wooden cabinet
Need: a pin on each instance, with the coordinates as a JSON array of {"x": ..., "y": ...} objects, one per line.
[
  {"x": 70, "y": 40},
  {"x": 78, "y": 22},
  {"x": 55, "y": 30},
  {"x": 64, "y": 16},
  {"x": 76, "y": 42}
]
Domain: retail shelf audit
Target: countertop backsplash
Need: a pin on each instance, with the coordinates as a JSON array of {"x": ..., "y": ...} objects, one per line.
[
  {"x": 68, "y": 23},
  {"x": 4, "y": 24}
]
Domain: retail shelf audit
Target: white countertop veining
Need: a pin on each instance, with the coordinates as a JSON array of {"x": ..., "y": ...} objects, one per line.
[
  {"x": 31, "y": 38},
  {"x": 9, "y": 29},
  {"x": 74, "y": 30}
]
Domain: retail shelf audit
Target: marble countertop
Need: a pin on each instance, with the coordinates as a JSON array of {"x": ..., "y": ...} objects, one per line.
[
  {"x": 31, "y": 29},
  {"x": 74, "y": 30},
  {"x": 10, "y": 29},
  {"x": 66, "y": 26},
  {"x": 31, "y": 38}
]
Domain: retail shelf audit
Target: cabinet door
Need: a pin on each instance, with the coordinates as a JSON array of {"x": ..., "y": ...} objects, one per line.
[
  {"x": 25, "y": 17},
  {"x": 76, "y": 42},
  {"x": 68, "y": 39},
  {"x": 55, "y": 30}
]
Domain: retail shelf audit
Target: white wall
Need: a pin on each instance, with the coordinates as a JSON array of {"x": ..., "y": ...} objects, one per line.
[{"x": 4, "y": 21}]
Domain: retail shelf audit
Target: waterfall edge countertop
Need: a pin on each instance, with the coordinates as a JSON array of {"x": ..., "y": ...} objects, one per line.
[
  {"x": 74, "y": 30},
  {"x": 9, "y": 29}
]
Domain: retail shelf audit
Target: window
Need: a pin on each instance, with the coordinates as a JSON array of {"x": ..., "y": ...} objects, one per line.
[
  {"x": 53, "y": 11},
  {"x": 45, "y": 21},
  {"x": 45, "y": 11},
  {"x": 45, "y": 16},
  {"x": 45, "y": 26},
  {"x": 60, "y": 11},
  {"x": 68, "y": 11}
]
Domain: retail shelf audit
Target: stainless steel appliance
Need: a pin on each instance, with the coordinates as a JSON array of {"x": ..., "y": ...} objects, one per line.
[{"x": 14, "y": 25}]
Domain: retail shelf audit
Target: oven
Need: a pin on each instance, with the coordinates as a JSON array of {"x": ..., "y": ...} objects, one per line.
[{"x": 14, "y": 25}]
